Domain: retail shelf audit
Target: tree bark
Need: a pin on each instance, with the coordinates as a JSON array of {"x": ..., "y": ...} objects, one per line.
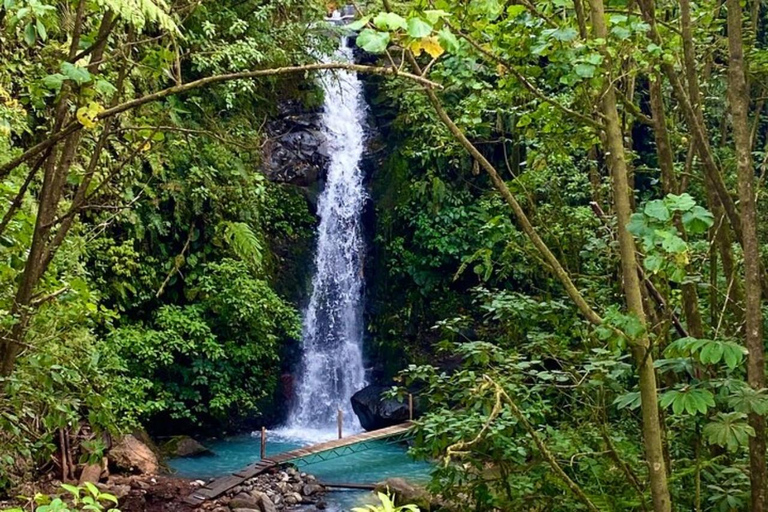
[
  {"x": 652, "y": 433},
  {"x": 738, "y": 95}
]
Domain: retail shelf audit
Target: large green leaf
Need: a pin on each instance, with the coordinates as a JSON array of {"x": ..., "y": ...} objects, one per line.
[
  {"x": 418, "y": 28},
  {"x": 373, "y": 41},
  {"x": 657, "y": 210},
  {"x": 729, "y": 430},
  {"x": 389, "y": 21},
  {"x": 698, "y": 220}
]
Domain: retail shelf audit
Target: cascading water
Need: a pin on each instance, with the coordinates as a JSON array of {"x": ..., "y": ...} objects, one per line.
[{"x": 332, "y": 364}]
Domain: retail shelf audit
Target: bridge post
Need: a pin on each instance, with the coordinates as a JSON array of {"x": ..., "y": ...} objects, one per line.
[
  {"x": 340, "y": 422},
  {"x": 263, "y": 452},
  {"x": 410, "y": 406}
]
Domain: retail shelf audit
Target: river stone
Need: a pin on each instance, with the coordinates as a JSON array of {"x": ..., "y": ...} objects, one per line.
[
  {"x": 90, "y": 473},
  {"x": 183, "y": 446},
  {"x": 292, "y": 498},
  {"x": 375, "y": 412},
  {"x": 310, "y": 489},
  {"x": 243, "y": 500},
  {"x": 266, "y": 504},
  {"x": 245, "y": 510},
  {"x": 132, "y": 455}
]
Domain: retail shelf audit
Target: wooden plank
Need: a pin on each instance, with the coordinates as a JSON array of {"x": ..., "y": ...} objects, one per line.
[
  {"x": 223, "y": 484},
  {"x": 365, "y": 487}
]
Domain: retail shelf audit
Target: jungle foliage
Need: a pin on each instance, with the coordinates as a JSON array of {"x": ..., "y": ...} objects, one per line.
[
  {"x": 567, "y": 223},
  {"x": 140, "y": 255},
  {"x": 569, "y": 253}
]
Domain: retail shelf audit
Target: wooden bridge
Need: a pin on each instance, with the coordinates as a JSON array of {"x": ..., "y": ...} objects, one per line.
[{"x": 299, "y": 457}]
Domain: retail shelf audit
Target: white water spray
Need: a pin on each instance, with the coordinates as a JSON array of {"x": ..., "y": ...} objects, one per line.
[{"x": 332, "y": 364}]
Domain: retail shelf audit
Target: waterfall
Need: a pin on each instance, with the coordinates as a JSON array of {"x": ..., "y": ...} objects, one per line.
[{"x": 332, "y": 365}]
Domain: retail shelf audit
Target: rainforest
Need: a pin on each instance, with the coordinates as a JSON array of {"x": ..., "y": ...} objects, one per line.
[{"x": 473, "y": 255}]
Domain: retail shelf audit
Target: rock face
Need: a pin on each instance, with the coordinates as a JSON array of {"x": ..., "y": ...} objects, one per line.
[
  {"x": 296, "y": 150},
  {"x": 375, "y": 412},
  {"x": 183, "y": 446},
  {"x": 131, "y": 455}
]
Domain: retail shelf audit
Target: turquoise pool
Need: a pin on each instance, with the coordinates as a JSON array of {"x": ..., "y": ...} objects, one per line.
[{"x": 382, "y": 461}]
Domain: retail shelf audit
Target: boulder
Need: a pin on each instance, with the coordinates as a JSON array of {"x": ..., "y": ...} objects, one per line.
[
  {"x": 131, "y": 455},
  {"x": 243, "y": 500},
  {"x": 90, "y": 473},
  {"x": 375, "y": 412},
  {"x": 183, "y": 446},
  {"x": 311, "y": 489},
  {"x": 265, "y": 503}
]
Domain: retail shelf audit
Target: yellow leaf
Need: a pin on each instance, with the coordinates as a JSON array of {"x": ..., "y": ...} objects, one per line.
[
  {"x": 87, "y": 115},
  {"x": 432, "y": 46},
  {"x": 416, "y": 48},
  {"x": 501, "y": 69}
]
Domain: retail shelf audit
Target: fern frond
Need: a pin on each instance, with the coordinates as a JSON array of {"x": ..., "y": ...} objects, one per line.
[{"x": 244, "y": 242}]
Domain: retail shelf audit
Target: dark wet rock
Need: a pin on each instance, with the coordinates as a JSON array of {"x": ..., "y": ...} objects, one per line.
[
  {"x": 296, "y": 151},
  {"x": 311, "y": 489},
  {"x": 183, "y": 446},
  {"x": 375, "y": 412}
]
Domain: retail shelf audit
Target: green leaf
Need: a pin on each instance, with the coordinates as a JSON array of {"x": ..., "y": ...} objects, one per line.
[
  {"x": 358, "y": 24},
  {"x": 657, "y": 210},
  {"x": 629, "y": 400},
  {"x": 653, "y": 263},
  {"x": 373, "y": 41},
  {"x": 637, "y": 225},
  {"x": 30, "y": 34},
  {"x": 563, "y": 34},
  {"x": 690, "y": 400},
  {"x": 435, "y": 15},
  {"x": 674, "y": 244},
  {"x": 54, "y": 81},
  {"x": 729, "y": 430},
  {"x": 389, "y": 21},
  {"x": 449, "y": 41},
  {"x": 621, "y": 32},
  {"x": 698, "y": 220},
  {"x": 41, "y": 30},
  {"x": 76, "y": 73},
  {"x": 584, "y": 70},
  {"x": 513, "y": 11},
  {"x": 418, "y": 28},
  {"x": 104, "y": 87},
  {"x": 681, "y": 203}
]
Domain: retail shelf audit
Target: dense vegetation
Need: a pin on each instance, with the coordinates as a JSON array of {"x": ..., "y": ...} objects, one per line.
[
  {"x": 140, "y": 254},
  {"x": 568, "y": 216}
]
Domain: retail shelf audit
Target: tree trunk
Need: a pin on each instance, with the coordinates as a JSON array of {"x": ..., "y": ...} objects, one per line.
[
  {"x": 738, "y": 95},
  {"x": 652, "y": 434}
]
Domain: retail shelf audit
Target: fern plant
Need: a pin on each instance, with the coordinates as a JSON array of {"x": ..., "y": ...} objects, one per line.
[{"x": 244, "y": 242}]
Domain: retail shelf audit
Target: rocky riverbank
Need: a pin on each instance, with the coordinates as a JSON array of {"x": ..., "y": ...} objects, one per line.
[
  {"x": 279, "y": 491},
  {"x": 272, "y": 492}
]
